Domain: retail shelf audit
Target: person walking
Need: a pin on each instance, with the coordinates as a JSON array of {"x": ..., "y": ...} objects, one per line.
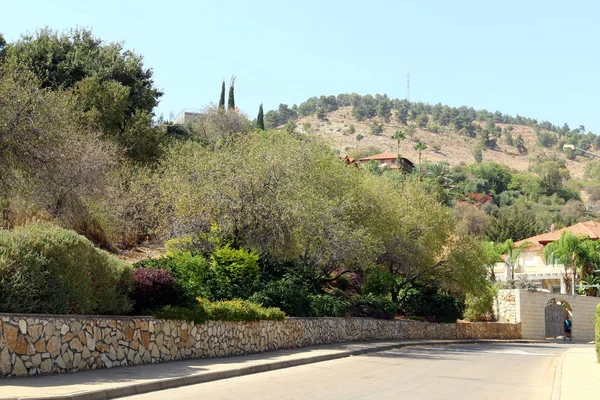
[{"x": 568, "y": 326}]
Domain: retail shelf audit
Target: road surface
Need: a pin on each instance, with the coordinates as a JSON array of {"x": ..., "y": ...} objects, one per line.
[{"x": 482, "y": 371}]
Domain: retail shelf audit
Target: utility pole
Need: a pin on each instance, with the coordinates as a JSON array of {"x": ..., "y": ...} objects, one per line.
[{"x": 408, "y": 86}]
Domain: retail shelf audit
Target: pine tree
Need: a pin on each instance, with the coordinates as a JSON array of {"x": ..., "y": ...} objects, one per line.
[
  {"x": 260, "y": 120},
  {"x": 222, "y": 98},
  {"x": 231, "y": 102}
]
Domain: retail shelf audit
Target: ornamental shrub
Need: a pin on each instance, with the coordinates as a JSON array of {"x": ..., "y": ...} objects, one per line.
[
  {"x": 323, "y": 305},
  {"x": 242, "y": 310},
  {"x": 370, "y": 305},
  {"x": 152, "y": 288},
  {"x": 287, "y": 294},
  {"x": 47, "y": 269},
  {"x": 190, "y": 273},
  {"x": 235, "y": 273},
  {"x": 226, "y": 310}
]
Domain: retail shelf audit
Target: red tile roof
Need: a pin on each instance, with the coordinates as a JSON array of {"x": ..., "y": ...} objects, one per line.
[
  {"x": 381, "y": 156},
  {"x": 589, "y": 229}
]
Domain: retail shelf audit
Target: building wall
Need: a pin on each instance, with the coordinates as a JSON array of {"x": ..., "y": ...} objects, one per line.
[
  {"x": 36, "y": 344},
  {"x": 527, "y": 308}
]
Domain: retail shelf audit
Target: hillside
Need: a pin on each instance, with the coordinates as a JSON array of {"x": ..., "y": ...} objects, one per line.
[{"x": 454, "y": 148}]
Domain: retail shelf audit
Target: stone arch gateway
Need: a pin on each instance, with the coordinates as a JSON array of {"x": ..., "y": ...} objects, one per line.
[{"x": 529, "y": 309}]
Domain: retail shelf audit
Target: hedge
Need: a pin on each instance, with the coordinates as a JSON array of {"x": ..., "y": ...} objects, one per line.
[
  {"x": 47, "y": 269},
  {"x": 225, "y": 310}
]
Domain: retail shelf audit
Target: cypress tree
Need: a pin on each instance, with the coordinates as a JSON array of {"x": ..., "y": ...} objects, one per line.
[
  {"x": 260, "y": 120},
  {"x": 222, "y": 99},
  {"x": 231, "y": 102}
]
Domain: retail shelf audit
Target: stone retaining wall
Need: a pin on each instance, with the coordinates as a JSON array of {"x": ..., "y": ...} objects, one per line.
[{"x": 36, "y": 344}]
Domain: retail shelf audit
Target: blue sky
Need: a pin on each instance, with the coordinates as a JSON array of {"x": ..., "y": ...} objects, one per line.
[{"x": 536, "y": 58}]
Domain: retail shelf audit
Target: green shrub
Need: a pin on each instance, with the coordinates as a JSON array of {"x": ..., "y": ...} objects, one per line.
[
  {"x": 433, "y": 304},
  {"x": 47, "y": 269},
  {"x": 598, "y": 332},
  {"x": 198, "y": 314},
  {"x": 377, "y": 281},
  {"x": 323, "y": 305},
  {"x": 287, "y": 294},
  {"x": 370, "y": 305},
  {"x": 191, "y": 273},
  {"x": 241, "y": 310},
  {"x": 226, "y": 310},
  {"x": 235, "y": 273},
  {"x": 477, "y": 307}
]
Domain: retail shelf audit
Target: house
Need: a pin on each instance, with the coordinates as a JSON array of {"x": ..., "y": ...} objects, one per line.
[
  {"x": 546, "y": 274},
  {"x": 187, "y": 115},
  {"x": 390, "y": 160}
]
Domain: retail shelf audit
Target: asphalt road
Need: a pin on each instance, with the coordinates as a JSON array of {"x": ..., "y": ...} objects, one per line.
[{"x": 490, "y": 371}]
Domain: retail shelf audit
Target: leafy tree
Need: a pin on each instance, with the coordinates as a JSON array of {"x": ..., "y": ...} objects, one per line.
[
  {"x": 398, "y": 136},
  {"x": 497, "y": 176},
  {"x": 514, "y": 222},
  {"x": 61, "y": 60},
  {"x": 321, "y": 114},
  {"x": 222, "y": 98},
  {"x": 260, "y": 119},
  {"x": 422, "y": 120},
  {"x": 113, "y": 87},
  {"x": 231, "y": 99},
  {"x": 384, "y": 110},
  {"x": 402, "y": 115},
  {"x": 376, "y": 128},
  {"x": 508, "y": 137},
  {"x": 477, "y": 152},
  {"x": 520, "y": 144}
]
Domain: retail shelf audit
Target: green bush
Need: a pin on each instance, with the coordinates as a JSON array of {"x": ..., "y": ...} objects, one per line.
[
  {"x": 198, "y": 314},
  {"x": 323, "y": 305},
  {"x": 242, "y": 310},
  {"x": 598, "y": 332},
  {"x": 433, "y": 304},
  {"x": 377, "y": 281},
  {"x": 235, "y": 273},
  {"x": 191, "y": 273},
  {"x": 477, "y": 307},
  {"x": 226, "y": 310},
  {"x": 288, "y": 294},
  {"x": 370, "y": 305},
  {"x": 47, "y": 269}
]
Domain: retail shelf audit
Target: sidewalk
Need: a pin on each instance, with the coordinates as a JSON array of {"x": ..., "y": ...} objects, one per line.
[
  {"x": 577, "y": 374},
  {"x": 580, "y": 374}
]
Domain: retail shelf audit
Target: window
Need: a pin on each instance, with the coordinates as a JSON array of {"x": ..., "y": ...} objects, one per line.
[
  {"x": 555, "y": 289},
  {"x": 529, "y": 260}
]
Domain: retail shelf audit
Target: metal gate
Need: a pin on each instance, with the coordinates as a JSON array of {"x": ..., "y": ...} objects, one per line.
[{"x": 555, "y": 318}]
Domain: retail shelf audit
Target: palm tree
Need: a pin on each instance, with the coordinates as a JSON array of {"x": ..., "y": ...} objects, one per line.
[
  {"x": 420, "y": 146},
  {"x": 578, "y": 254},
  {"x": 512, "y": 254},
  {"x": 398, "y": 135},
  {"x": 441, "y": 174}
]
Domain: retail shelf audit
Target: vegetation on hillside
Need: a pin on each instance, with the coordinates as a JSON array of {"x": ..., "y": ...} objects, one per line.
[{"x": 270, "y": 217}]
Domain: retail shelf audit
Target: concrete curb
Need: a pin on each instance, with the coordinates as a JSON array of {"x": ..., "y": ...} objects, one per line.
[
  {"x": 170, "y": 383},
  {"x": 557, "y": 386}
]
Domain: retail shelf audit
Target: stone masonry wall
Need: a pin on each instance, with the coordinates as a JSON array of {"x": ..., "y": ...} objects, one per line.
[
  {"x": 37, "y": 344},
  {"x": 506, "y": 306}
]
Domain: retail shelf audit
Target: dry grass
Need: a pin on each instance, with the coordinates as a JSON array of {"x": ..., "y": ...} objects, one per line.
[{"x": 455, "y": 149}]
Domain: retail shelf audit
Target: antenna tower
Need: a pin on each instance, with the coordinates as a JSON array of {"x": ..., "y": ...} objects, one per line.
[{"x": 408, "y": 86}]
